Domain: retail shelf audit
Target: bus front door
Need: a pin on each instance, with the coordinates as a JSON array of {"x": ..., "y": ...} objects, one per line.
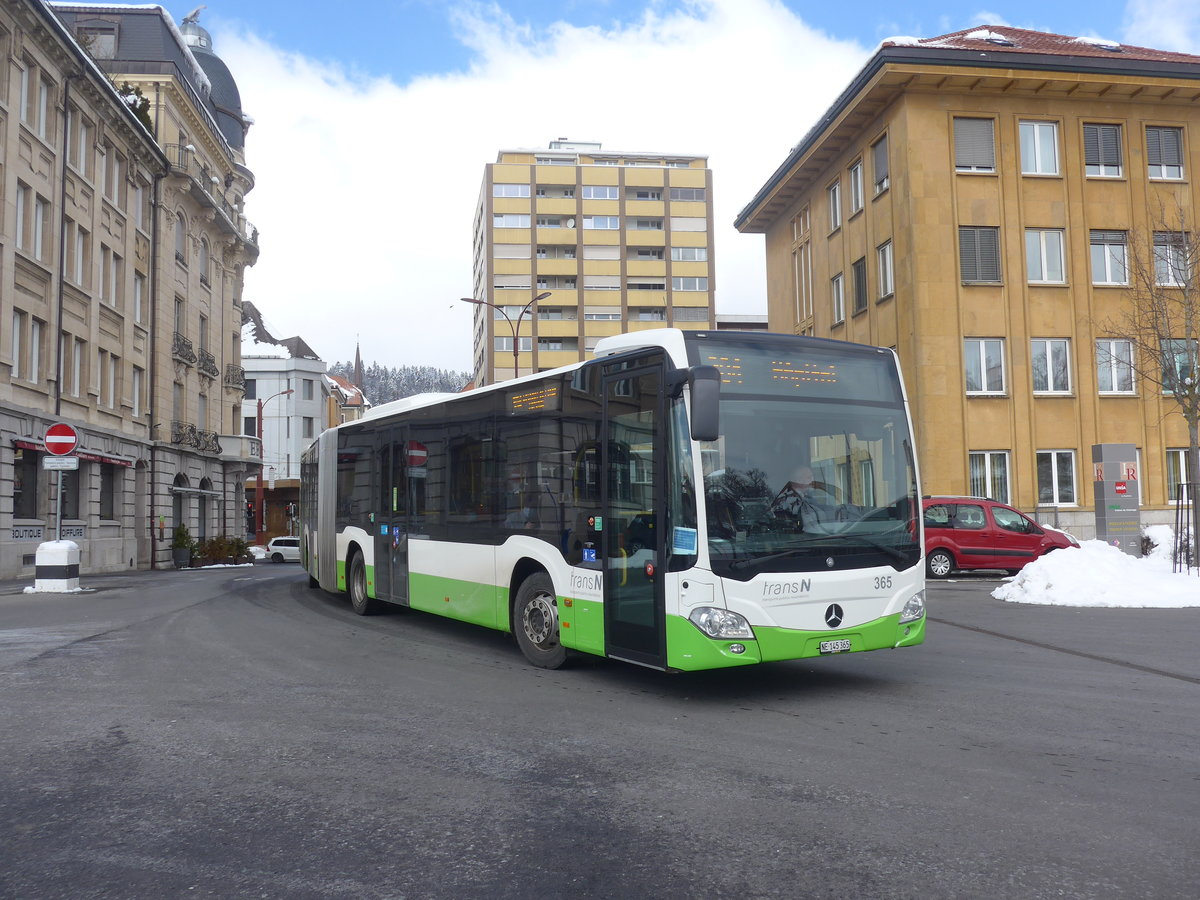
[{"x": 634, "y": 615}]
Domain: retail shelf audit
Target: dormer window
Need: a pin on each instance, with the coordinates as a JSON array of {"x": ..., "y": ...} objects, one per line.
[{"x": 98, "y": 37}]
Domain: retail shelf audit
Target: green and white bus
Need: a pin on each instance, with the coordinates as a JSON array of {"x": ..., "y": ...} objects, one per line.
[{"x": 636, "y": 506}]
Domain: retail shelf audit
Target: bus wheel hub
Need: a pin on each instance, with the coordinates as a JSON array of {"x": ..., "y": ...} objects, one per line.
[{"x": 540, "y": 619}]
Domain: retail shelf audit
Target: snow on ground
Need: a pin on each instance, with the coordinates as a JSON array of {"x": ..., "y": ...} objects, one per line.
[{"x": 1099, "y": 575}]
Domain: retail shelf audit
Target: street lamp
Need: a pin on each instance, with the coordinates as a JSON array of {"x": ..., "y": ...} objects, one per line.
[
  {"x": 259, "y": 500},
  {"x": 515, "y": 326}
]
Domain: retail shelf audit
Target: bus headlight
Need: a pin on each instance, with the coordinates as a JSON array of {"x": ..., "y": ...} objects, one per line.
[
  {"x": 721, "y": 623},
  {"x": 914, "y": 609}
]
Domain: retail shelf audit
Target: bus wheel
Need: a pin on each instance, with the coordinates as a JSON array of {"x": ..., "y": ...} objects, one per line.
[
  {"x": 359, "y": 600},
  {"x": 535, "y": 621}
]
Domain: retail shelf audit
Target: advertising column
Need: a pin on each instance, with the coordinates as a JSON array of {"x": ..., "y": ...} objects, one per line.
[{"x": 1115, "y": 483}]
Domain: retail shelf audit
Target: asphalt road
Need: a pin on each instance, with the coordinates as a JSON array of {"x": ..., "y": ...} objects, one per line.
[{"x": 233, "y": 733}]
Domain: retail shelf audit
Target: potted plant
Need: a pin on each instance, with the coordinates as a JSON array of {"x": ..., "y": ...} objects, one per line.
[{"x": 182, "y": 547}]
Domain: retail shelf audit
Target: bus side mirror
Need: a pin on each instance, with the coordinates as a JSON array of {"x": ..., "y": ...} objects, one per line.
[{"x": 705, "y": 384}]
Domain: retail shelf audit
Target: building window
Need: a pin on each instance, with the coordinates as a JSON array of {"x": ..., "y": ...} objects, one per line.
[
  {"x": 974, "y": 145},
  {"x": 1051, "y": 365},
  {"x": 1164, "y": 152},
  {"x": 1177, "y": 473},
  {"x": 1110, "y": 251},
  {"x": 988, "y": 471},
  {"x": 689, "y": 254},
  {"x": 139, "y": 294},
  {"x": 250, "y": 425},
  {"x": 646, "y": 224},
  {"x": 307, "y": 389},
  {"x": 602, "y": 192},
  {"x": 250, "y": 389},
  {"x": 689, "y": 283},
  {"x": 835, "y": 205},
  {"x": 887, "y": 284},
  {"x": 36, "y": 329},
  {"x": 506, "y": 343},
  {"x": 26, "y": 468},
  {"x": 688, "y": 194},
  {"x": 1044, "y": 255},
  {"x": 78, "y": 359},
  {"x": 307, "y": 426},
  {"x": 602, "y": 223},
  {"x": 1039, "y": 148},
  {"x": 879, "y": 159},
  {"x": 858, "y": 272},
  {"x": 1179, "y": 362},
  {"x": 979, "y": 253},
  {"x": 856, "y": 187},
  {"x": 18, "y": 331},
  {"x": 70, "y": 495},
  {"x": 1102, "y": 150},
  {"x": 837, "y": 293},
  {"x": 983, "y": 359},
  {"x": 510, "y": 220},
  {"x": 510, "y": 190},
  {"x": 1056, "y": 477},
  {"x": 109, "y": 477},
  {"x": 1114, "y": 366},
  {"x": 1170, "y": 259},
  {"x": 136, "y": 391}
]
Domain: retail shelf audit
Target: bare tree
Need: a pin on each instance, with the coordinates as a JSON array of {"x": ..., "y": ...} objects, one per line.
[{"x": 1162, "y": 321}]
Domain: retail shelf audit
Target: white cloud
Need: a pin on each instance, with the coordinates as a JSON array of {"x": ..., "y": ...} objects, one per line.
[
  {"x": 1163, "y": 25},
  {"x": 366, "y": 189}
]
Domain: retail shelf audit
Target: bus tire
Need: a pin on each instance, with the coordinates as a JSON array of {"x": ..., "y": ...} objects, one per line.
[
  {"x": 535, "y": 622},
  {"x": 360, "y": 601}
]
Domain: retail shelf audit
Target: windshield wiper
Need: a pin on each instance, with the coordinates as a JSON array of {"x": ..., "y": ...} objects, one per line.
[{"x": 803, "y": 544}]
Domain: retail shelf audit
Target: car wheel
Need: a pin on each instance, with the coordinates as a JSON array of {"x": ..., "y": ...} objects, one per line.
[
  {"x": 276, "y": 557},
  {"x": 535, "y": 621},
  {"x": 939, "y": 564},
  {"x": 360, "y": 601}
]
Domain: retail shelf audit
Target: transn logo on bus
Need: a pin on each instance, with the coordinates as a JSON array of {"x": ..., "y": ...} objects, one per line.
[{"x": 786, "y": 588}]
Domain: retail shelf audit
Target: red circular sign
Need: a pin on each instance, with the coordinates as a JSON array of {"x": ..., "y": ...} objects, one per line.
[
  {"x": 61, "y": 439},
  {"x": 417, "y": 454}
]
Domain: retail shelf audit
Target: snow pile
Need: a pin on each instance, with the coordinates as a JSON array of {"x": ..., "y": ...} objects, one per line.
[
  {"x": 1097, "y": 574},
  {"x": 252, "y": 346},
  {"x": 1098, "y": 42}
]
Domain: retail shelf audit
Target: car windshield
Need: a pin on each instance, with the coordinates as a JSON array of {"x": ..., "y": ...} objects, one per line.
[{"x": 795, "y": 485}]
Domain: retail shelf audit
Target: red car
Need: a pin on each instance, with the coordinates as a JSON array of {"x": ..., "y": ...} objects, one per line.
[{"x": 977, "y": 533}]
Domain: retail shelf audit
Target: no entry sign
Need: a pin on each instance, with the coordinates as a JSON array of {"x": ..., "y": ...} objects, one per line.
[
  {"x": 417, "y": 454},
  {"x": 61, "y": 439}
]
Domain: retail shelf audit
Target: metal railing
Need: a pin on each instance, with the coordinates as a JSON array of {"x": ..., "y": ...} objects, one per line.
[
  {"x": 211, "y": 188},
  {"x": 235, "y": 376},
  {"x": 181, "y": 349},
  {"x": 1184, "y": 554},
  {"x": 208, "y": 364},
  {"x": 185, "y": 433}
]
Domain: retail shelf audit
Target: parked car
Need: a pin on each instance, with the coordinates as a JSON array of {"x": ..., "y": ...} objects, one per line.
[
  {"x": 283, "y": 549},
  {"x": 978, "y": 533}
]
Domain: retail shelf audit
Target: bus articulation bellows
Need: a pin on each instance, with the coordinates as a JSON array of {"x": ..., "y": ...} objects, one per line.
[{"x": 685, "y": 500}]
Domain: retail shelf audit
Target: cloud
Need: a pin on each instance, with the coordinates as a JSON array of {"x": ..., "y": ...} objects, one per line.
[
  {"x": 1163, "y": 24},
  {"x": 367, "y": 189}
]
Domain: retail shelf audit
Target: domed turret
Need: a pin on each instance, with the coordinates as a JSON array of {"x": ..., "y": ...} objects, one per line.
[{"x": 225, "y": 99}]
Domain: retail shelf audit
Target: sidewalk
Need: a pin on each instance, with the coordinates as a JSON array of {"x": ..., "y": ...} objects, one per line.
[{"x": 120, "y": 580}]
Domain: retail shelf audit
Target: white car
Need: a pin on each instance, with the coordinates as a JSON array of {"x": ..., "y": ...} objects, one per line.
[{"x": 284, "y": 549}]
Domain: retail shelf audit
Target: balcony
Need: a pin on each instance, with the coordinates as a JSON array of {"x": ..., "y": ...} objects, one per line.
[
  {"x": 209, "y": 442},
  {"x": 185, "y": 434},
  {"x": 208, "y": 365},
  {"x": 235, "y": 376},
  {"x": 243, "y": 448},
  {"x": 207, "y": 188},
  {"x": 181, "y": 349}
]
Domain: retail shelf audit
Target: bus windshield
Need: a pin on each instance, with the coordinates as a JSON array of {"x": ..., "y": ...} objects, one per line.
[{"x": 814, "y": 469}]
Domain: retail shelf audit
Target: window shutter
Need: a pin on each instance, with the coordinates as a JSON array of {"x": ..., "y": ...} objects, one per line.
[
  {"x": 880, "y": 162},
  {"x": 989, "y": 254},
  {"x": 968, "y": 254},
  {"x": 1110, "y": 145},
  {"x": 974, "y": 144},
  {"x": 1108, "y": 237}
]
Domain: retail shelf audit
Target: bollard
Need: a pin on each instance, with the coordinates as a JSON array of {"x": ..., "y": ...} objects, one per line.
[{"x": 56, "y": 567}]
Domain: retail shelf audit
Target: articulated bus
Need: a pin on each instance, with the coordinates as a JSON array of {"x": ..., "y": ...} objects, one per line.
[{"x": 645, "y": 505}]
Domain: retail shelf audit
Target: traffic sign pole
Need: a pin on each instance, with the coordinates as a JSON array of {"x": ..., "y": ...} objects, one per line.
[{"x": 61, "y": 440}]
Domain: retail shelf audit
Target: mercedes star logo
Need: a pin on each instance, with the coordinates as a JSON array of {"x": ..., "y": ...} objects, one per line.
[{"x": 833, "y": 615}]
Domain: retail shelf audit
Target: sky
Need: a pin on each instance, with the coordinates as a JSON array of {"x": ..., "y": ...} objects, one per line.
[
  {"x": 373, "y": 123},
  {"x": 1095, "y": 574}
]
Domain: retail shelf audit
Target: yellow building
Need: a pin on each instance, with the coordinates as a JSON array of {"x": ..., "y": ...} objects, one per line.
[
  {"x": 974, "y": 201},
  {"x": 609, "y": 241}
]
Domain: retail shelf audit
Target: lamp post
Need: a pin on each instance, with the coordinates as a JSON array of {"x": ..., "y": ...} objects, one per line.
[
  {"x": 514, "y": 326},
  {"x": 259, "y": 500}
]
